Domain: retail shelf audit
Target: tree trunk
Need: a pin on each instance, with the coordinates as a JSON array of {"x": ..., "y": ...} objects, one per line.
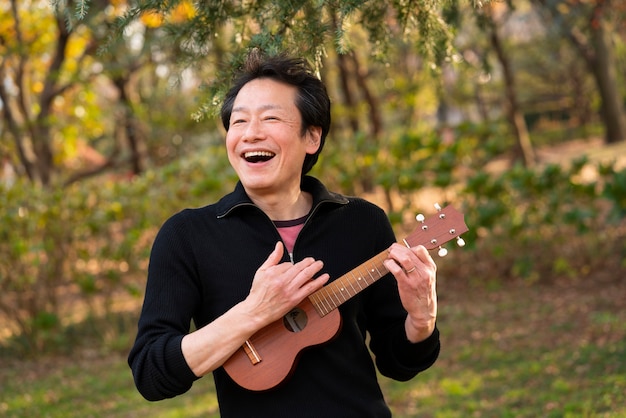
[
  {"x": 133, "y": 137},
  {"x": 603, "y": 70},
  {"x": 376, "y": 124},
  {"x": 594, "y": 45},
  {"x": 524, "y": 148}
]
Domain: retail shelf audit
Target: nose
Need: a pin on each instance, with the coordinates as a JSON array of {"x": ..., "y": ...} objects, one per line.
[{"x": 254, "y": 131}]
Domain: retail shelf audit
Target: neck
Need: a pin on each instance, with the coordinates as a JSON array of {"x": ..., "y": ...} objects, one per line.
[{"x": 285, "y": 206}]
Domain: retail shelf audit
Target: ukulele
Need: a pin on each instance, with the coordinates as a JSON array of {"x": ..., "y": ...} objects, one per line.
[{"x": 269, "y": 356}]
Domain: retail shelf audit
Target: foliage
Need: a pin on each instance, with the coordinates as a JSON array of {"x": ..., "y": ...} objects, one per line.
[
  {"x": 553, "y": 221},
  {"x": 70, "y": 113},
  {"x": 63, "y": 251},
  {"x": 77, "y": 249},
  {"x": 309, "y": 28},
  {"x": 130, "y": 102}
]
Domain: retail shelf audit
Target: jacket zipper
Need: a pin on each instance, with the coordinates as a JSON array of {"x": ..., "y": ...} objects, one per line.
[{"x": 291, "y": 255}]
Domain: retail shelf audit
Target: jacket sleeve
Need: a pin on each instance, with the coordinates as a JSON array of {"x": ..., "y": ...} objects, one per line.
[
  {"x": 172, "y": 294},
  {"x": 396, "y": 357}
]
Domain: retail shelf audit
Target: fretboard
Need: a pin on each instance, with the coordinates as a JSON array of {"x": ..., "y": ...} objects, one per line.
[{"x": 345, "y": 287}]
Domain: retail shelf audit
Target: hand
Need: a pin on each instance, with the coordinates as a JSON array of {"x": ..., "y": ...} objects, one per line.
[
  {"x": 415, "y": 271},
  {"x": 278, "y": 287}
]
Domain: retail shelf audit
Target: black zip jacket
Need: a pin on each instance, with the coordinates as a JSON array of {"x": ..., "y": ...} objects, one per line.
[{"x": 203, "y": 262}]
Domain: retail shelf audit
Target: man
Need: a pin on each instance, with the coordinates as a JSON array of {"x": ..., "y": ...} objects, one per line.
[{"x": 240, "y": 264}]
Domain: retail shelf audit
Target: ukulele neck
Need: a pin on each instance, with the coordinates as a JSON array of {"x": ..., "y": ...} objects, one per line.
[
  {"x": 433, "y": 232},
  {"x": 331, "y": 296}
]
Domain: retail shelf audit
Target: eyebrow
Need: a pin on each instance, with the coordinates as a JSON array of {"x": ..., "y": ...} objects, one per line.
[{"x": 264, "y": 107}]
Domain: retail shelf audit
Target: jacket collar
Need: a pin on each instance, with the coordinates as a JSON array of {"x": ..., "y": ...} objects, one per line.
[{"x": 239, "y": 198}]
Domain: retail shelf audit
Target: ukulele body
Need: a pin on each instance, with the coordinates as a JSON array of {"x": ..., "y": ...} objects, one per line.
[{"x": 269, "y": 356}]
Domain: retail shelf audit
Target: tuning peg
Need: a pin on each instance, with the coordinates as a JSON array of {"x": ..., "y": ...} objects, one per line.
[
  {"x": 460, "y": 242},
  {"x": 438, "y": 207},
  {"x": 442, "y": 252},
  {"x": 421, "y": 218}
]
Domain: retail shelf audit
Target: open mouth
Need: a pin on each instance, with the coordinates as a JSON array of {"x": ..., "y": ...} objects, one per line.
[{"x": 258, "y": 156}]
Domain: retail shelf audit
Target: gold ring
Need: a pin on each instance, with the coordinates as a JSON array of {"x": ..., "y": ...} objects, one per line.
[{"x": 408, "y": 271}]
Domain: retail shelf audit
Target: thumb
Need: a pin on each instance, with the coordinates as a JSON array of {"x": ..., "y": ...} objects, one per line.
[{"x": 274, "y": 258}]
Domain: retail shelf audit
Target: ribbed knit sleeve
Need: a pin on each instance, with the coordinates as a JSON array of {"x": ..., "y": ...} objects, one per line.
[
  {"x": 396, "y": 357},
  {"x": 172, "y": 294},
  {"x": 406, "y": 359}
]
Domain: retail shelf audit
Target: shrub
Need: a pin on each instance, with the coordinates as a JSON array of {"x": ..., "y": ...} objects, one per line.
[{"x": 68, "y": 253}]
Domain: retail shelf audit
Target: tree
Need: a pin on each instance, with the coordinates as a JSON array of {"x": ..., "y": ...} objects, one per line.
[
  {"x": 306, "y": 27},
  {"x": 49, "y": 63},
  {"x": 589, "y": 26},
  {"x": 26, "y": 117},
  {"x": 62, "y": 94},
  {"x": 488, "y": 20}
]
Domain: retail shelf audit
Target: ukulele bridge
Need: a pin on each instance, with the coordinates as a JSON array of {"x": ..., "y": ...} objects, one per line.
[{"x": 253, "y": 355}]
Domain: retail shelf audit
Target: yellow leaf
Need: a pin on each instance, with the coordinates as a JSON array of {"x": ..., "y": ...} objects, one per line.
[
  {"x": 182, "y": 12},
  {"x": 152, "y": 19},
  {"x": 37, "y": 87}
]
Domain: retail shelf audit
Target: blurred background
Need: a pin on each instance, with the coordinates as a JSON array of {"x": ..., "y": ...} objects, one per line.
[{"x": 512, "y": 111}]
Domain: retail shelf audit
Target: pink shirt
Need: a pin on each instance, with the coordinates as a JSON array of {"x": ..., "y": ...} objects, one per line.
[{"x": 289, "y": 231}]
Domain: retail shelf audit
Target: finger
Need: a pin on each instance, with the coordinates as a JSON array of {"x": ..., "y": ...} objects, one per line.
[
  {"x": 305, "y": 270},
  {"x": 274, "y": 258},
  {"x": 393, "y": 266},
  {"x": 423, "y": 255},
  {"x": 315, "y": 284},
  {"x": 404, "y": 257}
]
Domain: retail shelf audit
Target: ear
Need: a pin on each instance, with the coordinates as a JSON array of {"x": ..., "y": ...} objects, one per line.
[{"x": 313, "y": 139}]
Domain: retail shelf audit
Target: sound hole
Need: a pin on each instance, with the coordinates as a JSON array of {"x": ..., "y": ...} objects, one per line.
[{"x": 295, "y": 320}]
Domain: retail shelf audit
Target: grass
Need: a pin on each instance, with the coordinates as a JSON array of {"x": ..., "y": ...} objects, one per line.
[
  {"x": 512, "y": 350},
  {"x": 94, "y": 385},
  {"x": 526, "y": 352}
]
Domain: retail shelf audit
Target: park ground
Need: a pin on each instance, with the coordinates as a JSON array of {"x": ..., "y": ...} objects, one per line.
[{"x": 508, "y": 350}]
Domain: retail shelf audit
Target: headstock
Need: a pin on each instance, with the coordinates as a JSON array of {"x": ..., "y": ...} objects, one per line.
[{"x": 434, "y": 231}]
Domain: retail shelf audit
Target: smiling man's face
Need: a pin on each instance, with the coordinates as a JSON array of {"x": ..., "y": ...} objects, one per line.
[{"x": 264, "y": 141}]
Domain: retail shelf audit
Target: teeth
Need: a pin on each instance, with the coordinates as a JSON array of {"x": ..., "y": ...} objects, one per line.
[{"x": 256, "y": 154}]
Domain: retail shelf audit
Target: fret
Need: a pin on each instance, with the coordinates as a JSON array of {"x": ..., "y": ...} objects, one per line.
[
  {"x": 373, "y": 278},
  {"x": 339, "y": 291},
  {"x": 362, "y": 276},
  {"x": 384, "y": 268},
  {"x": 356, "y": 280},
  {"x": 330, "y": 297},
  {"x": 344, "y": 289},
  {"x": 332, "y": 294},
  {"x": 327, "y": 298},
  {"x": 353, "y": 289},
  {"x": 367, "y": 282},
  {"x": 318, "y": 303}
]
